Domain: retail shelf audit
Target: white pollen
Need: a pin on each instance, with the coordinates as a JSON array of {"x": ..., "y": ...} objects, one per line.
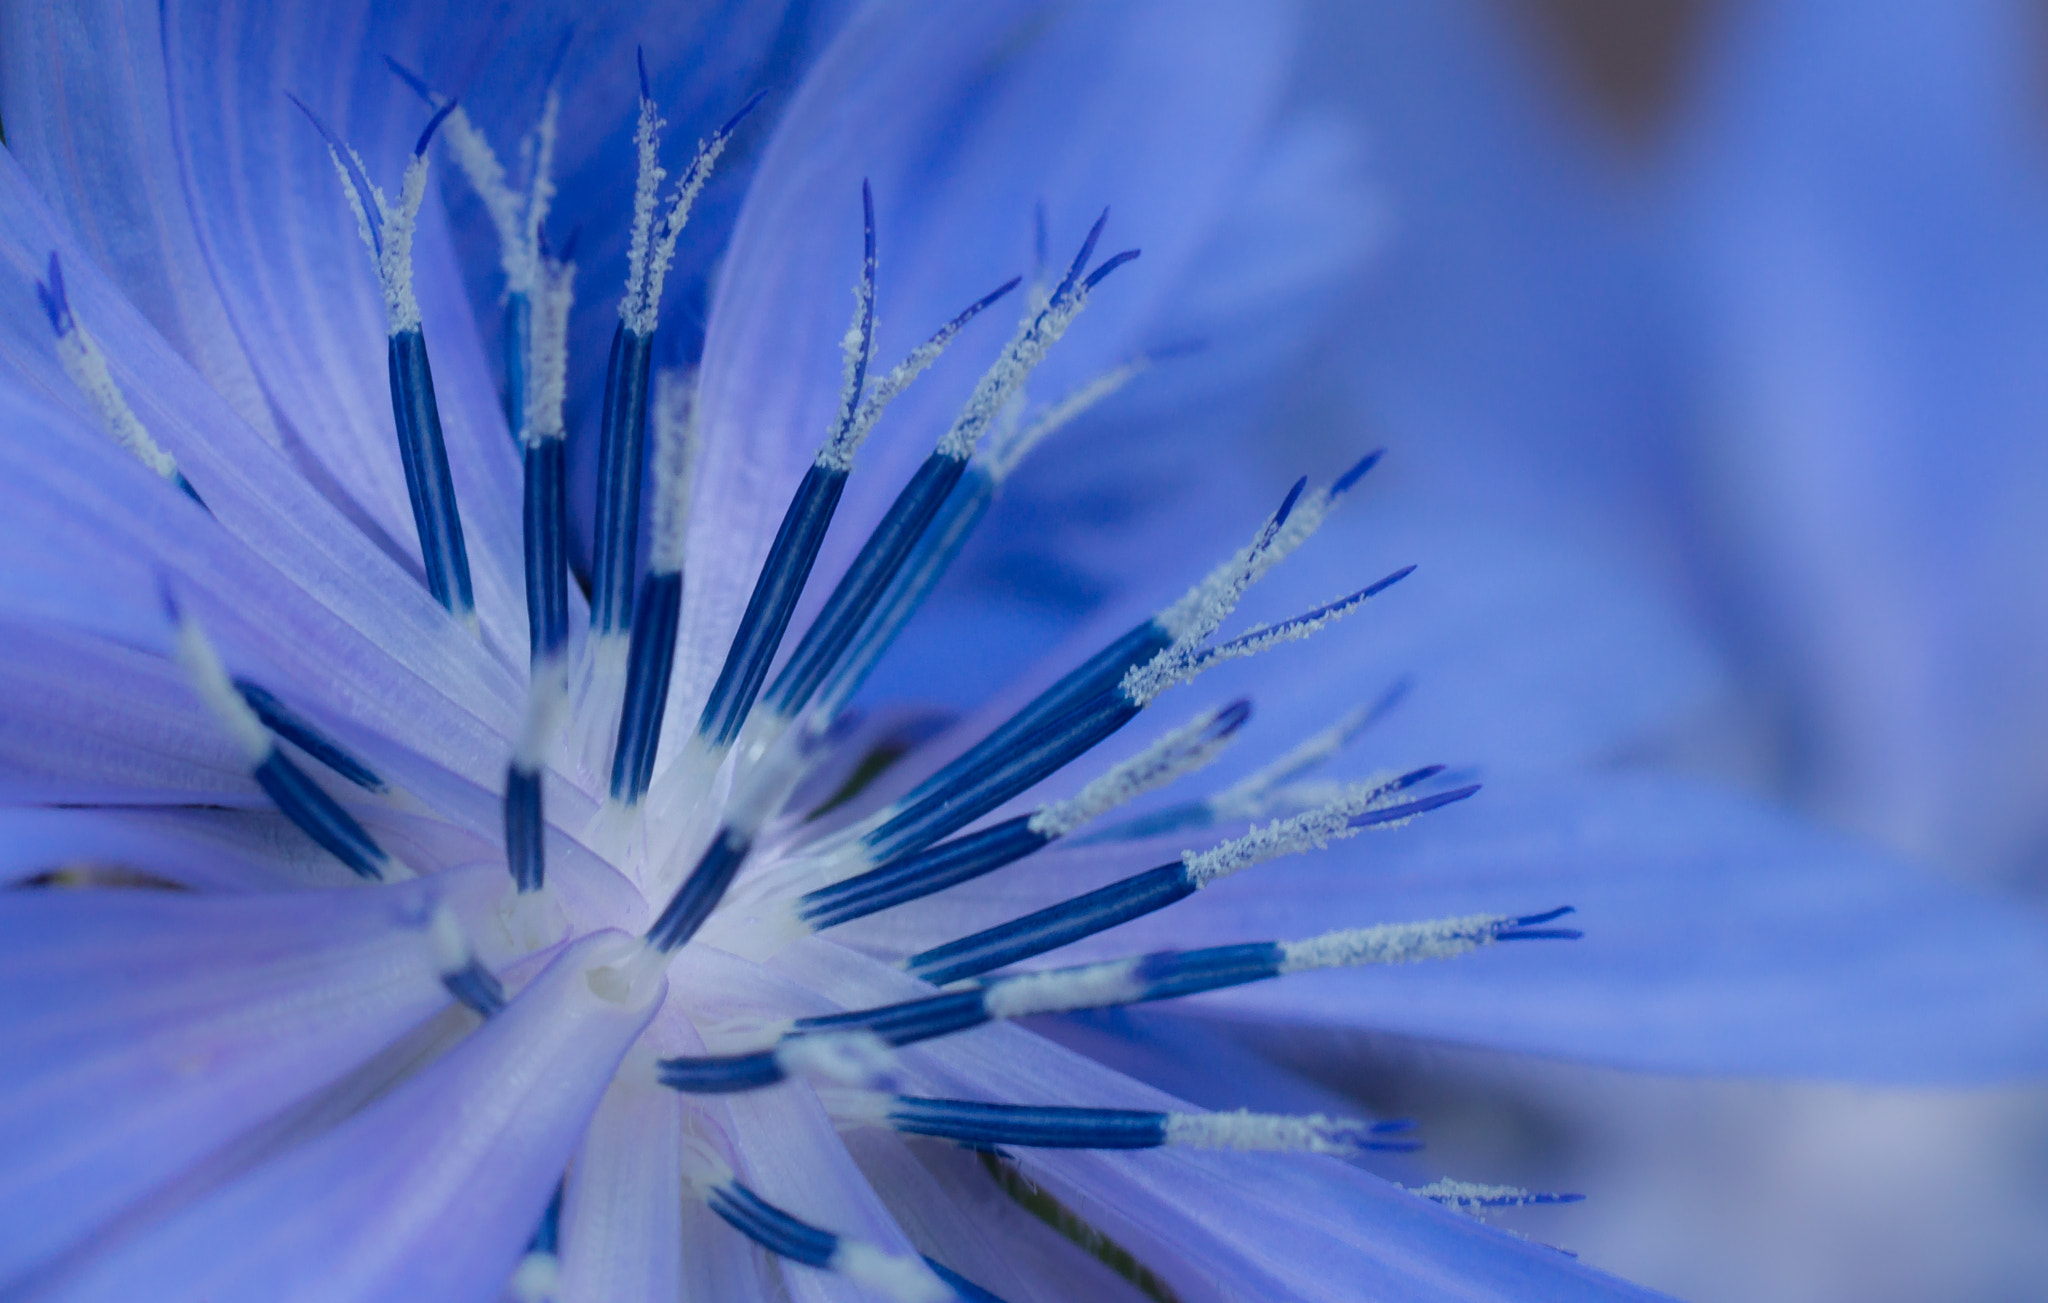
[
  {"x": 1244, "y": 1129},
  {"x": 1311, "y": 830},
  {"x": 1012, "y": 367},
  {"x": 838, "y": 452},
  {"x": 1059, "y": 990},
  {"x": 479, "y": 163},
  {"x": 540, "y": 194},
  {"x": 87, "y": 366},
  {"x": 1181, "y": 751},
  {"x": 654, "y": 237},
  {"x": 857, "y": 1059},
  {"x": 1013, "y": 447},
  {"x": 902, "y": 1278},
  {"x": 547, "y": 701},
  {"x": 646, "y": 187},
  {"x": 364, "y": 218},
  {"x": 210, "y": 680},
  {"x": 857, "y": 351},
  {"x": 547, "y": 350},
  {"x": 1470, "y": 1197},
  {"x": 1254, "y": 795},
  {"x": 675, "y": 466},
  {"x": 1391, "y": 943},
  {"x": 394, "y": 265}
]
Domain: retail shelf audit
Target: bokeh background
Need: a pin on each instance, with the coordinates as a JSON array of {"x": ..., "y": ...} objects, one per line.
[{"x": 1747, "y": 298}]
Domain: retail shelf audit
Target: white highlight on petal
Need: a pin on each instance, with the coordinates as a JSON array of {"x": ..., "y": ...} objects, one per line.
[
  {"x": 1059, "y": 990},
  {"x": 903, "y": 1278},
  {"x": 1244, "y": 1129},
  {"x": 87, "y": 366},
  {"x": 547, "y": 349},
  {"x": 675, "y": 466},
  {"x": 854, "y": 1059},
  {"x": 1312, "y": 830},
  {"x": 547, "y": 701},
  {"x": 210, "y": 680},
  {"x": 1391, "y": 943},
  {"x": 1181, "y": 751},
  {"x": 1012, "y": 447},
  {"x": 857, "y": 1107},
  {"x": 536, "y": 1277},
  {"x": 703, "y": 1168},
  {"x": 452, "y": 951},
  {"x": 600, "y": 693}
]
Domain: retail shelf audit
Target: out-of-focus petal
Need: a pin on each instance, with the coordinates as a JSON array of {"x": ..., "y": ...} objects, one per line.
[
  {"x": 1865, "y": 242},
  {"x": 431, "y": 1192},
  {"x": 147, "y": 1028},
  {"x": 1721, "y": 937}
]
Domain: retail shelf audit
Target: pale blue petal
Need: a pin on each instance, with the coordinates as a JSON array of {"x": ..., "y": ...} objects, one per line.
[
  {"x": 1867, "y": 251},
  {"x": 145, "y": 1029},
  {"x": 431, "y": 1192},
  {"x": 82, "y": 94}
]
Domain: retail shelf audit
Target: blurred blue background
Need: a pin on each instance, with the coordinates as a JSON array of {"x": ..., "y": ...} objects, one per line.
[{"x": 1747, "y": 298}]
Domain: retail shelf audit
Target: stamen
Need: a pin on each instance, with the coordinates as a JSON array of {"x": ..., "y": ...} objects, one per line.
[
  {"x": 623, "y": 428},
  {"x": 83, "y": 361},
  {"x": 756, "y": 796},
  {"x": 908, "y": 1280},
  {"x": 546, "y": 511},
  {"x": 387, "y": 231},
  {"x": 525, "y": 818},
  {"x": 795, "y": 550},
  {"x": 907, "y": 519},
  {"x": 1473, "y": 1199},
  {"x": 300, "y": 732},
  {"x": 295, "y": 794},
  {"x": 1064, "y": 721},
  {"x": 1180, "y": 751},
  {"x": 1031, "y": 1126},
  {"x": 461, "y": 971},
  {"x": 1268, "y": 791},
  {"x": 1365, "y": 806},
  {"x": 517, "y": 218},
  {"x": 659, "y": 612},
  {"x": 1137, "y": 980}
]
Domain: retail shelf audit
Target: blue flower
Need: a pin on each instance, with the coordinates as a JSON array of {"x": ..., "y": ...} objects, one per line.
[{"x": 691, "y": 1045}]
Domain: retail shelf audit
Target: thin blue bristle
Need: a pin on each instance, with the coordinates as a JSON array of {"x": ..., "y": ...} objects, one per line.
[
  {"x": 433, "y": 125},
  {"x": 364, "y": 192}
]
